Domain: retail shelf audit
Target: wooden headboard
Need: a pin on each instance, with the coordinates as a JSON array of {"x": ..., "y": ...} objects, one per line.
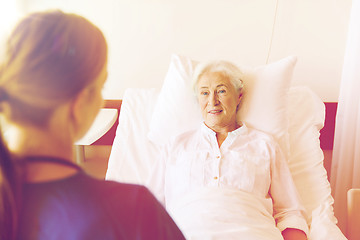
[{"x": 326, "y": 134}]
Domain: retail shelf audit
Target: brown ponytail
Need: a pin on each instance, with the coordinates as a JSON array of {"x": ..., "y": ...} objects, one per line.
[{"x": 9, "y": 194}]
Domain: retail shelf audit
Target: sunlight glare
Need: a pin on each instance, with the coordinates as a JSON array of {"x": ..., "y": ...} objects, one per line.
[{"x": 8, "y": 16}]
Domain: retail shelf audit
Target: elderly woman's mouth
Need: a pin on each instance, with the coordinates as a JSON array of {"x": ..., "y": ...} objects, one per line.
[{"x": 215, "y": 111}]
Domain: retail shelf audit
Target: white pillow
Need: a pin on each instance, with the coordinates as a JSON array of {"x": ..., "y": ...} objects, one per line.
[
  {"x": 132, "y": 154},
  {"x": 306, "y": 118},
  {"x": 264, "y": 104},
  {"x": 177, "y": 109},
  {"x": 306, "y": 156}
]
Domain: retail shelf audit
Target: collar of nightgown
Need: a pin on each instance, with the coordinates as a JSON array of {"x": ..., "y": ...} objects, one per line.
[{"x": 231, "y": 135}]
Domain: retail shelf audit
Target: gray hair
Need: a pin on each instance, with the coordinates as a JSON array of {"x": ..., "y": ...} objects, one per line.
[{"x": 227, "y": 69}]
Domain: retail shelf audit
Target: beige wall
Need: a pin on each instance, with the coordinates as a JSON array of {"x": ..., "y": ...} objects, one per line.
[{"x": 142, "y": 34}]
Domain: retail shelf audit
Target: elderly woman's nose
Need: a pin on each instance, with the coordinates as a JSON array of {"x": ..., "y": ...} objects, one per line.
[{"x": 214, "y": 100}]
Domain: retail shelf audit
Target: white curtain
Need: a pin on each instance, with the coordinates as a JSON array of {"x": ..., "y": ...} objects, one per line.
[{"x": 345, "y": 170}]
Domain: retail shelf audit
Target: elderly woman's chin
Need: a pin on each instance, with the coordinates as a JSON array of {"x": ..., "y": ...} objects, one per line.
[
  {"x": 213, "y": 121},
  {"x": 222, "y": 117},
  {"x": 218, "y": 124}
]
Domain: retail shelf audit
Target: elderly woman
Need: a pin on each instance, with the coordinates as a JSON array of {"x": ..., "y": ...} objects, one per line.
[
  {"x": 50, "y": 92},
  {"x": 226, "y": 180}
]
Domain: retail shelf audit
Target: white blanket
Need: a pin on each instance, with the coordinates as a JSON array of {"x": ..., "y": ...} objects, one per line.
[{"x": 215, "y": 213}]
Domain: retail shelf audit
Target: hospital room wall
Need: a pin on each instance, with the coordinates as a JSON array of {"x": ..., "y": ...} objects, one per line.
[{"x": 142, "y": 35}]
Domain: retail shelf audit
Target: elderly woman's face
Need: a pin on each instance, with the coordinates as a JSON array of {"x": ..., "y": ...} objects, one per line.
[{"x": 218, "y": 101}]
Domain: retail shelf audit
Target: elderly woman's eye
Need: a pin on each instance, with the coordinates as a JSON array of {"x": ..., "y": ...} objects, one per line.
[
  {"x": 204, "y": 93},
  {"x": 222, "y": 91}
]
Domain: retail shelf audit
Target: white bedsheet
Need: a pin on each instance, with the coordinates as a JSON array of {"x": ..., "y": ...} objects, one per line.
[{"x": 218, "y": 213}]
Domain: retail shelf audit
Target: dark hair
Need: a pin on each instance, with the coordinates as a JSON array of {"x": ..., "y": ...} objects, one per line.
[
  {"x": 50, "y": 57},
  {"x": 9, "y": 194}
]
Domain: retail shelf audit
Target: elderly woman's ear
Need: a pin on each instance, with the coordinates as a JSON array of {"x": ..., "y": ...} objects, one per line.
[{"x": 240, "y": 95}]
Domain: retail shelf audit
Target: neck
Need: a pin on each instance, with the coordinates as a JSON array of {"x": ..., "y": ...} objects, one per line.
[
  {"x": 220, "y": 137},
  {"x": 222, "y": 132},
  {"x": 31, "y": 141}
]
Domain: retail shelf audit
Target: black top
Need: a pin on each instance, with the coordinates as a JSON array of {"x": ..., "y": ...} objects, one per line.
[{"x": 82, "y": 207}]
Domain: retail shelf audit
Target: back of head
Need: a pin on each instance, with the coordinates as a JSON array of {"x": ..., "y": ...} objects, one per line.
[{"x": 50, "y": 57}]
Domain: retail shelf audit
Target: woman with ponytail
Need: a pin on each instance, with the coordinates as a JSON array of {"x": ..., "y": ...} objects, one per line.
[{"x": 50, "y": 92}]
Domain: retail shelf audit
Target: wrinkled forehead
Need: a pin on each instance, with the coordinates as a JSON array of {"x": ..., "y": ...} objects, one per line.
[{"x": 213, "y": 79}]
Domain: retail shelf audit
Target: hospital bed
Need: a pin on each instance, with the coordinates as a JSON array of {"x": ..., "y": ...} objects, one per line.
[{"x": 295, "y": 116}]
